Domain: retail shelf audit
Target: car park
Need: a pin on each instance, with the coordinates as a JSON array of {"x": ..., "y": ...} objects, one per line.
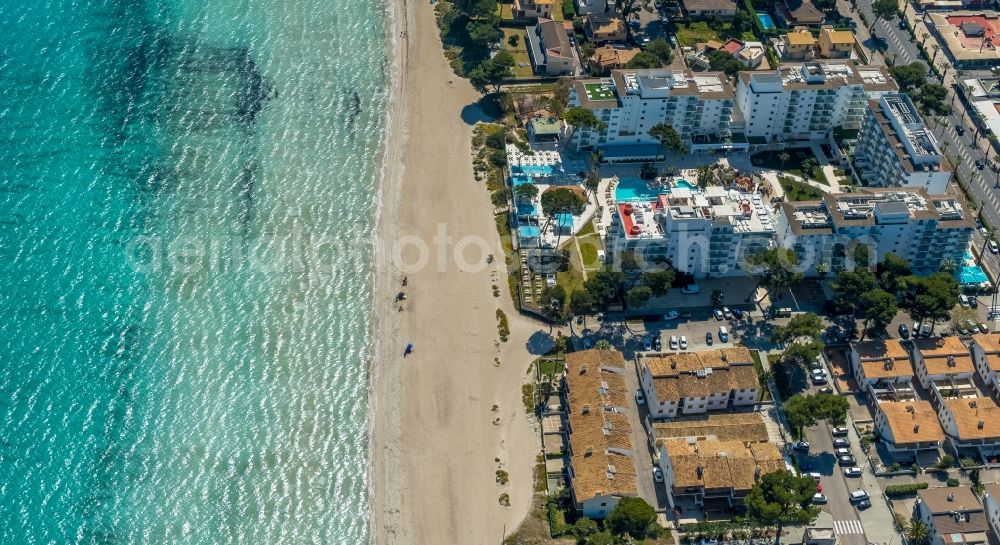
[
  {"x": 904, "y": 332},
  {"x": 657, "y": 474},
  {"x": 647, "y": 344},
  {"x": 671, "y": 315},
  {"x": 673, "y": 342},
  {"x": 723, "y": 334},
  {"x": 852, "y": 471},
  {"x": 847, "y": 461},
  {"x": 719, "y": 315},
  {"x": 801, "y": 446},
  {"x": 708, "y": 338},
  {"x": 841, "y": 443},
  {"x": 819, "y": 499},
  {"x": 684, "y": 342},
  {"x": 839, "y": 431},
  {"x": 640, "y": 397}
]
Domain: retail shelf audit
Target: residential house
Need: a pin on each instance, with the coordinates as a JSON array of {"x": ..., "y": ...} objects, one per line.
[
  {"x": 798, "y": 45},
  {"x": 608, "y": 57},
  {"x": 601, "y": 464},
  {"x": 953, "y": 515},
  {"x": 971, "y": 424},
  {"x": 986, "y": 354},
  {"x": 751, "y": 55},
  {"x": 883, "y": 369},
  {"x": 710, "y": 9},
  {"x": 601, "y": 28},
  {"x": 748, "y": 427},
  {"x": 800, "y": 12},
  {"x": 550, "y": 50},
  {"x": 697, "y": 382},
  {"x": 533, "y": 9},
  {"x": 944, "y": 367},
  {"x": 835, "y": 44},
  {"x": 908, "y": 426},
  {"x": 696, "y": 471},
  {"x": 584, "y": 7}
]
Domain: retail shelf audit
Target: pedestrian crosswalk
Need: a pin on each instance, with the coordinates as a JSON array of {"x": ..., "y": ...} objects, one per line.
[{"x": 848, "y": 527}]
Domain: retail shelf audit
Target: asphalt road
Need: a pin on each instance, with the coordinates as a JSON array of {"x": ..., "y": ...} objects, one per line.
[
  {"x": 899, "y": 42},
  {"x": 836, "y": 487}
]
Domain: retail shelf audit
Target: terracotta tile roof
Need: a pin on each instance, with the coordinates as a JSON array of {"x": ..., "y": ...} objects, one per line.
[
  {"x": 600, "y": 433},
  {"x": 941, "y": 500},
  {"x": 990, "y": 344},
  {"x": 722, "y": 427},
  {"x": 969, "y": 413},
  {"x": 911, "y": 421},
  {"x": 838, "y": 36},
  {"x": 945, "y": 356},
  {"x": 700, "y": 374},
  {"x": 883, "y": 359},
  {"x": 610, "y": 57},
  {"x": 719, "y": 465},
  {"x": 800, "y": 37}
]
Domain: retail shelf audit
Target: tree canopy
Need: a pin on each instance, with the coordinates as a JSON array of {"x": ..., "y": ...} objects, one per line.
[
  {"x": 493, "y": 72},
  {"x": 659, "y": 281},
  {"x": 661, "y": 49},
  {"x": 848, "y": 287},
  {"x": 805, "y": 410},
  {"x": 909, "y": 77},
  {"x": 645, "y": 59},
  {"x": 776, "y": 266},
  {"x": 879, "y": 307},
  {"x": 668, "y": 136},
  {"x": 582, "y": 117},
  {"x": 638, "y": 296},
  {"x": 632, "y": 516},
  {"x": 782, "y": 498},
  {"x": 721, "y": 61},
  {"x": 801, "y": 325},
  {"x": 885, "y": 9},
  {"x": 562, "y": 200}
]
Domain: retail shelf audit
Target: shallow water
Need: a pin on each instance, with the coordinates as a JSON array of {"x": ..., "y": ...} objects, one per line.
[{"x": 186, "y": 198}]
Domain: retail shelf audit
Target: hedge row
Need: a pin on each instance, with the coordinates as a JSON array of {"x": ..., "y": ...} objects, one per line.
[{"x": 903, "y": 489}]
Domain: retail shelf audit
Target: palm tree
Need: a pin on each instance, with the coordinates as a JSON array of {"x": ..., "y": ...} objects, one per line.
[
  {"x": 718, "y": 296},
  {"x": 986, "y": 240},
  {"x": 918, "y": 533},
  {"x": 948, "y": 265},
  {"x": 784, "y": 157},
  {"x": 602, "y": 345},
  {"x": 936, "y": 48},
  {"x": 822, "y": 269}
]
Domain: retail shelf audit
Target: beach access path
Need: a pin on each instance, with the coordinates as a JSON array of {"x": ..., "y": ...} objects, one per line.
[{"x": 435, "y": 444}]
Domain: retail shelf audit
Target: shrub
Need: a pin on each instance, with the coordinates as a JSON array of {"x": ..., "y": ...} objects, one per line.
[
  {"x": 945, "y": 462},
  {"x": 502, "y": 477},
  {"x": 952, "y": 482},
  {"x": 968, "y": 462},
  {"x": 569, "y": 10},
  {"x": 903, "y": 489}
]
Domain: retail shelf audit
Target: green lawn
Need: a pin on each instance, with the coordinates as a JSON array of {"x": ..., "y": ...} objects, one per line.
[
  {"x": 798, "y": 191},
  {"x": 548, "y": 367},
  {"x": 689, "y": 34},
  {"x": 520, "y": 51}
]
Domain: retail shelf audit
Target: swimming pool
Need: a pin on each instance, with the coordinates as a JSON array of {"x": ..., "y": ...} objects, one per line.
[
  {"x": 971, "y": 275},
  {"x": 637, "y": 189},
  {"x": 533, "y": 170},
  {"x": 520, "y": 180},
  {"x": 766, "y": 21}
]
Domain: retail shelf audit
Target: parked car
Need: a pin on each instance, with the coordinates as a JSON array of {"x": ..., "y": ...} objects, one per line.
[
  {"x": 671, "y": 315},
  {"x": 839, "y": 431},
  {"x": 657, "y": 474},
  {"x": 852, "y": 471},
  {"x": 818, "y": 379},
  {"x": 983, "y": 328},
  {"x": 843, "y": 452},
  {"x": 657, "y": 345},
  {"x": 723, "y": 334},
  {"x": 719, "y": 315},
  {"x": 684, "y": 342},
  {"x": 925, "y": 331},
  {"x": 960, "y": 130},
  {"x": 973, "y": 301},
  {"x": 727, "y": 313},
  {"x": 815, "y": 364},
  {"x": 858, "y": 495},
  {"x": 801, "y": 445},
  {"x": 841, "y": 443},
  {"x": 847, "y": 460},
  {"x": 819, "y": 499},
  {"x": 916, "y": 329},
  {"x": 691, "y": 289},
  {"x": 963, "y": 300},
  {"x": 640, "y": 397},
  {"x": 993, "y": 247},
  {"x": 708, "y": 338},
  {"x": 826, "y": 390},
  {"x": 961, "y": 328},
  {"x": 904, "y": 332},
  {"x": 980, "y": 164},
  {"x": 864, "y": 504},
  {"x": 737, "y": 313},
  {"x": 673, "y": 342}
]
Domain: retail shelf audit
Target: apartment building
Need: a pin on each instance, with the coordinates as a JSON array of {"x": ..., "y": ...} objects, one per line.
[
  {"x": 921, "y": 228},
  {"x": 908, "y": 427},
  {"x": 701, "y": 231},
  {"x": 883, "y": 369},
  {"x": 696, "y": 471},
  {"x": 697, "y": 382},
  {"x": 807, "y": 101},
  {"x": 971, "y": 424},
  {"x": 698, "y": 105},
  {"x": 601, "y": 463},
  {"x": 953, "y": 515},
  {"x": 944, "y": 367},
  {"x": 991, "y": 502},
  {"x": 895, "y": 148},
  {"x": 986, "y": 356}
]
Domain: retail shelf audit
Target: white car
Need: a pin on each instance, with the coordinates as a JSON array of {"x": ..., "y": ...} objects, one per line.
[
  {"x": 852, "y": 471},
  {"x": 671, "y": 315},
  {"x": 843, "y": 452},
  {"x": 839, "y": 431},
  {"x": 819, "y": 498},
  {"x": 684, "y": 342},
  {"x": 723, "y": 334},
  {"x": 640, "y": 397},
  {"x": 719, "y": 315},
  {"x": 657, "y": 475},
  {"x": 727, "y": 313},
  {"x": 994, "y": 248},
  {"x": 673, "y": 342}
]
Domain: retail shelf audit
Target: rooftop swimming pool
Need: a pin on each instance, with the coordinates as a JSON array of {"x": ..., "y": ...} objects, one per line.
[
  {"x": 766, "y": 21},
  {"x": 637, "y": 189}
]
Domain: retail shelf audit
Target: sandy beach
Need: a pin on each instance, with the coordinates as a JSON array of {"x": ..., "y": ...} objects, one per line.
[{"x": 434, "y": 441}]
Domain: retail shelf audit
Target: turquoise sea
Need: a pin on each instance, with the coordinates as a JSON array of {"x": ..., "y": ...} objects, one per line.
[{"x": 187, "y": 196}]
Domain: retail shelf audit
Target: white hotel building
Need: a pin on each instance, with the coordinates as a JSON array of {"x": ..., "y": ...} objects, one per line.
[
  {"x": 806, "y": 101},
  {"x": 895, "y": 148},
  {"x": 921, "y": 228}
]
